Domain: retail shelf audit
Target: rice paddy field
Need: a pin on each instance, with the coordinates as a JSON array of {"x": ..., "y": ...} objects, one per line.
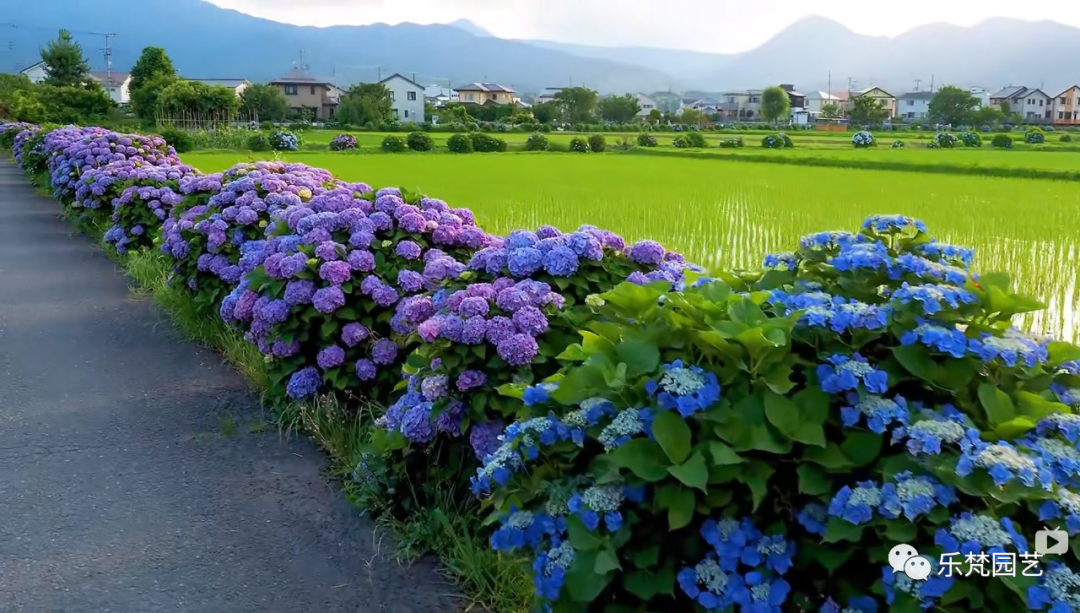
[{"x": 725, "y": 213}]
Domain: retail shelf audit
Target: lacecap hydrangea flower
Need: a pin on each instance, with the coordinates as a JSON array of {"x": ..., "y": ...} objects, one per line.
[{"x": 686, "y": 389}]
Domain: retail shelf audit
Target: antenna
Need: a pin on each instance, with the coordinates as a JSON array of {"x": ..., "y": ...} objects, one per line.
[
  {"x": 107, "y": 51},
  {"x": 917, "y": 83}
]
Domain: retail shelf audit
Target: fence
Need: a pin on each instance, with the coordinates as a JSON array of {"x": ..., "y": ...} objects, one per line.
[{"x": 194, "y": 122}]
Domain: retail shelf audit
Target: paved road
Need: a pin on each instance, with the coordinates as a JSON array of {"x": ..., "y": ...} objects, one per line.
[{"x": 118, "y": 489}]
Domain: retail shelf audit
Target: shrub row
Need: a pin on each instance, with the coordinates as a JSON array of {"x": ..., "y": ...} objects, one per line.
[{"x": 651, "y": 437}]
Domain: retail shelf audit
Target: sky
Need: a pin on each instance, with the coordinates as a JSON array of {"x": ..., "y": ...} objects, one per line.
[{"x": 723, "y": 26}]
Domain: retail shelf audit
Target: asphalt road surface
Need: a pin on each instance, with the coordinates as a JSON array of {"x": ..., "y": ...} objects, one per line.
[{"x": 120, "y": 489}]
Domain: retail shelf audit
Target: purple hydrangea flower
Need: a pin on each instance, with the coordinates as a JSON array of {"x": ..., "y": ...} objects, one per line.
[
  {"x": 328, "y": 299},
  {"x": 484, "y": 437},
  {"x": 518, "y": 349},
  {"x": 472, "y": 306},
  {"x": 384, "y": 352},
  {"x": 647, "y": 253},
  {"x": 470, "y": 379},
  {"x": 354, "y": 333},
  {"x": 303, "y": 383},
  {"x": 362, "y": 260},
  {"x": 524, "y": 262},
  {"x": 366, "y": 370},
  {"x": 330, "y": 357},
  {"x": 408, "y": 250},
  {"x": 410, "y": 281},
  {"x": 530, "y": 320},
  {"x": 500, "y": 328},
  {"x": 335, "y": 272},
  {"x": 299, "y": 291}
]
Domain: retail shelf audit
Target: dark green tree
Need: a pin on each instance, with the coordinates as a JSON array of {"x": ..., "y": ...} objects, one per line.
[
  {"x": 264, "y": 103},
  {"x": 775, "y": 104},
  {"x": 578, "y": 104},
  {"x": 547, "y": 112},
  {"x": 192, "y": 97},
  {"x": 619, "y": 109},
  {"x": 952, "y": 105},
  {"x": 987, "y": 116},
  {"x": 655, "y": 116},
  {"x": 84, "y": 104},
  {"x": 64, "y": 62},
  {"x": 867, "y": 110},
  {"x": 830, "y": 109},
  {"x": 144, "y": 100},
  {"x": 151, "y": 63},
  {"x": 365, "y": 103}
]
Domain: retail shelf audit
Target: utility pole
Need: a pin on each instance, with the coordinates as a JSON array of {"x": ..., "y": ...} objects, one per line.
[
  {"x": 108, "y": 56},
  {"x": 917, "y": 83},
  {"x": 931, "y": 84}
]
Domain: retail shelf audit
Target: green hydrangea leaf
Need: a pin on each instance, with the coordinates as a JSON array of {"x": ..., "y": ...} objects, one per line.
[
  {"x": 998, "y": 405},
  {"x": 693, "y": 472},
  {"x": 642, "y": 457},
  {"x": 671, "y": 431}
]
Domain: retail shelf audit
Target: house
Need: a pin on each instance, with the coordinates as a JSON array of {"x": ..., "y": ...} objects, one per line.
[
  {"x": 116, "y": 84},
  {"x": 884, "y": 98},
  {"x": 237, "y": 85},
  {"x": 647, "y": 104},
  {"x": 548, "y": 95},
  {"x": 35, "y": 72},
  {"x": 1033, "y": 105},
  {"x": 1067, "y": 107},
  {"x": 485, "y": 93},
  {"x": 733, "y": 103},
  {"x": 982, "y": 95},
  {"x": 706, "y": 106},
  {"x": 799, "y": 116},
  {"x": 406, "y": 97},
  {"x": 914, "y": 105},
  {"x": 439, "y": 95},
  {"x": 304, "y": 91},
  {"x": 815, "y": 101}
]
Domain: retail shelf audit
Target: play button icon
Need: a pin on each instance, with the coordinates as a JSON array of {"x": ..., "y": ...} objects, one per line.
[{"x": 1051, "y": 542}]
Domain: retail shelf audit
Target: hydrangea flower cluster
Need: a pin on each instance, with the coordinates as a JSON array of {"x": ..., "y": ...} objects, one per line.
[
  {"x": 284, "y": 140},
  {"x": 972, "y": 533},
  {"x": 926, "y": 592},
  {"x": 343, "y": 142},
  {"x": 933, "y": 429},
  {"x": 75, "y": 151},
  {"x": 22, "y": 144},
  {"x": 686, "y": 389},
  {"x": 138, "y": 214},
  {"x": 348, "y": 268},
  {"x": 845, "y": 373},
  {"x": 835, "y": 313},
  {"x": 99, "y": 187},
  {"x": 207, "y": 239},
  {"x": 744, "y": 567}
]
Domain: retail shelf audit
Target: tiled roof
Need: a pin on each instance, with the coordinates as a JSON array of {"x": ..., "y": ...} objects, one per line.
[{"x": 484, "y": 87}]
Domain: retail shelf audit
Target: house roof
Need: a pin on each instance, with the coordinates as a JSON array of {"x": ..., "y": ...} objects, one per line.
[
  {"x": 297, "y": 75},
  {"x": 841, "y": 96},
  {"x": 916, "y": 96},
  {"x": 1031, "y": 90},
  {"x": 231, "y": 83},
  {"x": 402, "y": 77},
  {"x": 484, "y": 87},
  {"x": 32, "y": 66},
  {"x": 689, "y": 101},
  {"x": 707, "y": 102},
  {"x": 110, "y": 79},
  {"x": 792, "y": 92},
  {"x": 820, "y": 95},
  {"x": 867, "y": 90},
  {"x": 1009, "y": 92},
  {"x": 1067, "y": 90}
]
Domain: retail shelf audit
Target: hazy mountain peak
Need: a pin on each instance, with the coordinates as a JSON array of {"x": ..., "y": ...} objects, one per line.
[{"x": 469, "y": 26}]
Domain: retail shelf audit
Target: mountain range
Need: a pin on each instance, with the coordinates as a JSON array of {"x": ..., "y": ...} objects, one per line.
[{"x": 205, "y": 41}]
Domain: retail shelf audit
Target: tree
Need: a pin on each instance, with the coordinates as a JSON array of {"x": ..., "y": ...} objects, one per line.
[
  {"x": 365, "y": 103},
  {"x": 151, "y": 63},
  {"x": 655, "y": 116},
  {"x": 1005, "y": 108},
  {"x": 64, "y": 62},
  {"x": 144, "y": 100},
  {"x": 264, "y": 103},
  {"x": 691, "y": 116},
  {"x": 10, "y": 86},
  {"x": 25, "y": 106},
  {"x": 578, "y": 103},
  {"x": 775, "y": 104},
  {"x": 619, "y": 109},
  {"x": 867, "y": 110},
  {"x": 193, "y": 97},
  {"x": 987, "y": 116},
  {"x": 547, "y": 112},
  {"x": 952, "y": 105},
  {"x": 455, "y": 113},
  {"x": 830, "y": 109},
  {"x": 87, "y": 103}
]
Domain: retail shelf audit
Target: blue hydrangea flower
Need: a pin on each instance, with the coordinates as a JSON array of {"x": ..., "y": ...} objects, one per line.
[
  {"x": 775, "y": 551},
  {"x": 549, "y": 569},
  {"x": 926, "y": 591},
  {"x": 1069, "y": 396},
  {"x": 1068, "y": 424},
  {"x": 855, "y": 604},
  {"x": 813, "y": 517},
  {"x": 762, "y": 595},
  {"x": 1066, "y": 505},
  {"x": 969, "y": 533},
  {"x": 1061, "y": 457},
  {"x": 944, "y": 339},
  {"x": 845, "y": 372},
  {"x": 538, "y": 394},
  {"x": 856, "y": 505},
  {"x": 729, "y": 538},
  {"x": 1004, "y": 462},
  {"x": 925, "y": 437},
  {"x": 862, "y": 256},
  {"x": 782, "y": 261},
  {"x": 855, "y": 315},
  {"x": 828, "y": 241},
  {"x": 523, "y": 529},
  {"x": 933, "y": 297},
  {"x": 687, "y": 389},
  {"x": 599, "y": 502},
  {"x": 1058, "y": 590},
  {"x": 626, "y": 425},
  {"x": 893, "y": 223},
  {"x": 709, "y": 585},
  {"x": 1009, "y": 349},
  {"x": 942, "y": 251},
  {"x": 878, "y": 411},
  {"x": 927, "y": 269},
  {"x": 914, "y": 496}
]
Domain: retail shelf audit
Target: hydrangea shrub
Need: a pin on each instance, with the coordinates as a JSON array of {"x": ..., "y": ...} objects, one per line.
[
  {"x": 1002, "y": 141},
  {"x": 343, "y": 142},
  {"x": 335, "y": 295},
  {"x": 218, "y": 233},
  {"x": 1035, "y": 136},
  {"x": 971, "y": 139},
  {"x": 138, "y": 212},
  {"x": 944, "y": 140},
  {"x": 862, "y": 139},
  {"x": 284, "y": 140},
  {"x": 762, "y": 440}
]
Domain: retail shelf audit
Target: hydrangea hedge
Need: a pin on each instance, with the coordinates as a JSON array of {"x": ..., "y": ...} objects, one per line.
[
  {"x": 761, "y": 440},
  {"x": 652, "y": 439}
]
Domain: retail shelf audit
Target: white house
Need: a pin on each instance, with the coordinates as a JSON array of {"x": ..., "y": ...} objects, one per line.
[
  {"x": 548, "y": 95},
  {"x": 914, "y": 105},
  {"x": 1032, "y": 103},
  {"x": 647, "y": 104},
  {"x": 982, "y": 95},
  {"x": 116, "y": 84},
  {"x": 707, "y": 106},
  {"x": 816, "y": 100},
  {"x": 407, "y": 97},
  {"x": 35, "y": 72}
]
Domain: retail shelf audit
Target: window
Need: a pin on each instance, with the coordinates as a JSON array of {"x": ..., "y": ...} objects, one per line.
[
  {"x": 1063, "y": 100},
  {"x": 911, "y": 103},
  {"x": 1061, "y": 115},
  {"x": 469, "y": 97},
  {"x": 312, "y": 90},
  {"x": 407, "y": 112},
  {"x": 290, "y": 90},
  {"x": 392, "y": 97},
  {"x": 1040, "y": 102},
  {"x": 410, "y": 96}
]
